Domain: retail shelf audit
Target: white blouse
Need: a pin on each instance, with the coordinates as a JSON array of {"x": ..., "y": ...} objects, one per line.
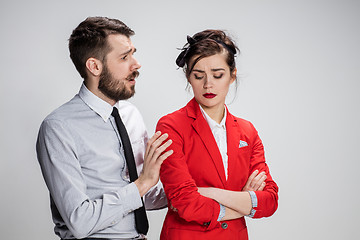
[{"x": 219, "y": 132}]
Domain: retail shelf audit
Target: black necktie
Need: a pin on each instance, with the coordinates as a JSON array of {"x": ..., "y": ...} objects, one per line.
[{"x": 142, "y": 224}]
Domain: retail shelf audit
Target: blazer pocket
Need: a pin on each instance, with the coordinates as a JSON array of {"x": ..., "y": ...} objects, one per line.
[
  {"x": 244, "y": 152},
  {"x": 244, "y": 149}
]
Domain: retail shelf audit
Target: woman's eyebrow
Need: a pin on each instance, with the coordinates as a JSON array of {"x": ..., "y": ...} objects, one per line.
[
  {"x": 217, "y": 69},
  {"x": 213, "y": 70}
]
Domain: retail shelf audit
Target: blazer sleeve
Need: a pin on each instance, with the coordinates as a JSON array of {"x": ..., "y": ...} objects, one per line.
[
  {"x": 180, "y": 187},
  {"x": 267, "y": 200}
]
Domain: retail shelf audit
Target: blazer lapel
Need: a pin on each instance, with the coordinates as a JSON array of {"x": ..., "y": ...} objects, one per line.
[
  {"x": 233, "y": 136},
  {"x": 203, "y": 130}
]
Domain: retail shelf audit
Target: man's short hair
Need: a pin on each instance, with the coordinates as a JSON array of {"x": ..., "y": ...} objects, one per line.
[{"x": 89, "y": 39}]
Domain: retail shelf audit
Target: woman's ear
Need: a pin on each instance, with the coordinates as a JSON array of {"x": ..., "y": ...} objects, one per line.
[
  {"x": 233, "y": 75},
  {"x": 94, "y": 66}
]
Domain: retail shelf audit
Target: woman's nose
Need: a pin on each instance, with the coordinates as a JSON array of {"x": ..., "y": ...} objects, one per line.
[{"x": 208, "y": 83}]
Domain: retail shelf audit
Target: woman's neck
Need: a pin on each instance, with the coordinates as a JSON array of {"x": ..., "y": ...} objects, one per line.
[{"x": 216, "y": 113}]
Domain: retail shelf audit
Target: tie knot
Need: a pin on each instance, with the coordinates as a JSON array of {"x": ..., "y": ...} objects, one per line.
[{"x": 115, "y": 112}]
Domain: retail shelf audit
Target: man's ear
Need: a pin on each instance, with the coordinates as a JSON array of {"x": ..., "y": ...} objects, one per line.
[{"x": 94, "y": 66}]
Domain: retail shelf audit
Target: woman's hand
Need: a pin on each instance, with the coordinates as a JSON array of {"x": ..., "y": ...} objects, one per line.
[{"x": 256, "y": 182}]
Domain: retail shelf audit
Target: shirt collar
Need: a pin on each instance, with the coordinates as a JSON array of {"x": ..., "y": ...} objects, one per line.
[
  {"x": 102, "y": 108},
  {"x": 212, "y": 123}
]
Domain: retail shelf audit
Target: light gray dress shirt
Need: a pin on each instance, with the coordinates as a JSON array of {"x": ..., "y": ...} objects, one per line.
[{"x": 82, "y": 160}]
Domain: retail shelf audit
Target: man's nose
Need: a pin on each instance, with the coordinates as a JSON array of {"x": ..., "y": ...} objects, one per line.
[{"x": 135, "y": 65}]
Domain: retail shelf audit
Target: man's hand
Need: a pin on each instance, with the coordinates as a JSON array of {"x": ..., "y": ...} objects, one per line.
[
  {"x": 154, "y": 156},
  {"x": 256, "y": 182}
]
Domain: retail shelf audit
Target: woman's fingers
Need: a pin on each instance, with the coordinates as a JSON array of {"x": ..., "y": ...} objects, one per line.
[
  {"x": 250, "y": 179},
  {"x": 258, "y": 181},
  {"x": 255, "y": 182},
  {"x": 262, "y": 186}
]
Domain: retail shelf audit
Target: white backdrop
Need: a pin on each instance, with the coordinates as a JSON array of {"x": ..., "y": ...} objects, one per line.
[{"x": 299, "y": 84}]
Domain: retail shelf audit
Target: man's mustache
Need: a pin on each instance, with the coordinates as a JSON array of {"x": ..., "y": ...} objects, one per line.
[{"x": 133, "y": 75}]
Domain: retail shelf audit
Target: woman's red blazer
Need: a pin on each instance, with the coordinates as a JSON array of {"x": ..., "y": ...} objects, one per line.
[{"x": 196, "y": 162}]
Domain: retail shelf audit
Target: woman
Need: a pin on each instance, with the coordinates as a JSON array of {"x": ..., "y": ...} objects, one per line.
[{"x": 217, "y": 172}]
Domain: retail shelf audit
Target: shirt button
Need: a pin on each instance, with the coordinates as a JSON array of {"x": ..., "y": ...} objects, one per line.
[{"x": 224, "y": 225}]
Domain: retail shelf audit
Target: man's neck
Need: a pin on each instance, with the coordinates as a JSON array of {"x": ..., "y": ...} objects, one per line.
[{"x": 95, "y": 90}]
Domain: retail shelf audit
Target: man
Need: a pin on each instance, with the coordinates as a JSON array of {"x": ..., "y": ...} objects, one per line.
[{"x": 81, "y": 149}]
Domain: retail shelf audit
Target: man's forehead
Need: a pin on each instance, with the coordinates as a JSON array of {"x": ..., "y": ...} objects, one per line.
[{"x": 119, "y": 40}]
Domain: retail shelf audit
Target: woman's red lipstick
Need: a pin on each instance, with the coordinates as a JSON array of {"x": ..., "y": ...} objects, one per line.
[{"x": 209, "y": 95}]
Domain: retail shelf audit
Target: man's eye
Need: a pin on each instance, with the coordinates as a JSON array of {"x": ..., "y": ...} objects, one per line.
[
  {"x": 124, "y": 57},
  {"x": 218, "y": 76}
]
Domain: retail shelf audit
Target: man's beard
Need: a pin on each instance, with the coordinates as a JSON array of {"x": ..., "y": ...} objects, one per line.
[{"x": 115, "y": 88}]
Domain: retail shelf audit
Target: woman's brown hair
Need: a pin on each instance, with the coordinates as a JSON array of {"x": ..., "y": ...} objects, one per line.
[{"x": 204, "y": 44}]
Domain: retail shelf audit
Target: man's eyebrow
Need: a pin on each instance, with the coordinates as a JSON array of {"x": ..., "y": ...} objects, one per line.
[{"x": 129, "y": 51}]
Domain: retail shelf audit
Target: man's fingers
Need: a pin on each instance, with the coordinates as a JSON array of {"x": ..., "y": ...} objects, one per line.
[
  {"x": 152, "y": 146},
  {"x": 161, "y": 149},
  {"x": 151, "y": 140},
  {"x": 155, "y": 146},
  {"x": 164, "y": 156}
]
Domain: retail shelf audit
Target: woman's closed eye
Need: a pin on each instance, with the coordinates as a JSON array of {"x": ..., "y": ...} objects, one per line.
[
  {"x": 198, "y": 76},
  {"x": 218, "y": 76}
]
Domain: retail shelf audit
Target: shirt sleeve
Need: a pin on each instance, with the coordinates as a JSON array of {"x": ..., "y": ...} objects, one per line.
[
  {"x": 222, "y": 212},
  {"x": 155, "y": 198},
  {"x": 253, "y": 203},
  {"x": 57, "y": 155},
  {"x": 180, "y": 188}
]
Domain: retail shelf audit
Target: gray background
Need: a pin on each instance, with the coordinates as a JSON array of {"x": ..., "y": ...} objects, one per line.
[{"x": 299, "y": 84}]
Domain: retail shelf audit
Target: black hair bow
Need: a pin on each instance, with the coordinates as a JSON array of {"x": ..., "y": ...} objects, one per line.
[{"x": 180, "y": 60}]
